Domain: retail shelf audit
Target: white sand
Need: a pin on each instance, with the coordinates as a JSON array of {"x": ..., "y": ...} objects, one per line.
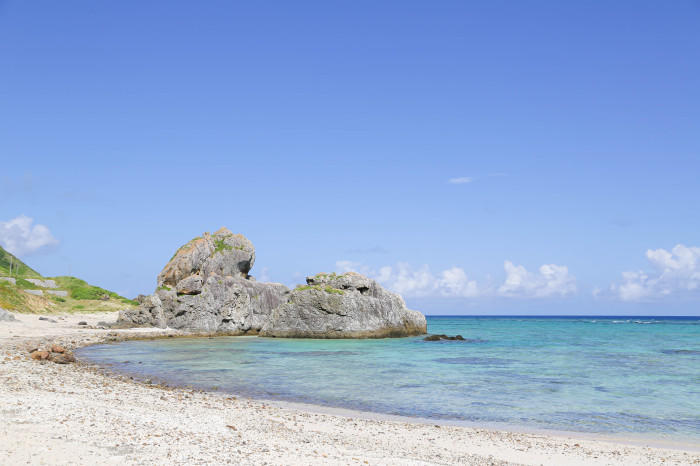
[{"x": 74, "y": 414}]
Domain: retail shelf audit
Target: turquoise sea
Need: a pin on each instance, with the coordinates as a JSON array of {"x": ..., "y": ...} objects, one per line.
[{"x": 627, "y": 375}]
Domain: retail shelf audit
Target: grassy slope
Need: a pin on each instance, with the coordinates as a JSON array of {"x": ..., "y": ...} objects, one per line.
[
  {"x": 82, "y": 297},
  {"x": 19, "y": 268}
]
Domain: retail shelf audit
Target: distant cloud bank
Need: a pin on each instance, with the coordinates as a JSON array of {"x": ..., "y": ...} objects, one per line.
[
  {"x": 22, "y": 237},
  {"x": 550, "y": 281},
  {"x": 675, "y": 272},
  {"x": 460, "y": 180}
]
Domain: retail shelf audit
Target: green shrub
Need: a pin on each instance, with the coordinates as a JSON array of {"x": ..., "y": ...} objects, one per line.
[
  {"x": 330, "y": 289},
  {"x": 25, "y": 285},
  {"x": 327, "y": 289},
  {"x": 220, "y": 245}
]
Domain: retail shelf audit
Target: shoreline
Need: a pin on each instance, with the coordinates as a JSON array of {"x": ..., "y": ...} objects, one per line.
[
  {"x": 628, "y": 438},
  {"x": 280, "y": 432}
]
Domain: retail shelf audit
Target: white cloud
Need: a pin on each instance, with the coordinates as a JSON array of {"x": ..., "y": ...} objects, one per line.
[
  {"x": 550, "y": 280},
  {"x": 417, "y": 282},
  {"x": 22, "y": 237},
  {"x": 460, "y": 180},
  {"x": 677, "y": 271}
]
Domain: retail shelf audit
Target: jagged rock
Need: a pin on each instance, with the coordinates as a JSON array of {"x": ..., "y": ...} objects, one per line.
[
  {"x": 343, "y": 306},
  {"x": 190, "y": 285},
  {"x": 6, "y": 316},
  {"x": 222, "y": 253},
  {"x": 205, "y": 287}
]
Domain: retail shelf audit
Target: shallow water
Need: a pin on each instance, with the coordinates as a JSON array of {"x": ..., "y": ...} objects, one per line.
[{"x": 604, "y": 375}]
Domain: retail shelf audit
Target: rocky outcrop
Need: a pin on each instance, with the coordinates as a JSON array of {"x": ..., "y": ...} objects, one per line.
[
  {"x": 42, "y": 283},
  {"x": 343, "y": 306},
  {"x": 206, "y": 287},
  {"x": 6, "y": 316},
  {"x": 221, "y": 253}
]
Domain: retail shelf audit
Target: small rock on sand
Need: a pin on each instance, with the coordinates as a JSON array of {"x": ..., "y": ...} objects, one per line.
[
  {"x": 62, "y": 358},
  {"x": 40, "y": 355},
  {"x": 6, "y": 316}
]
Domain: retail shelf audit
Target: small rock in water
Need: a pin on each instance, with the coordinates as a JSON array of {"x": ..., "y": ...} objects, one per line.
[
  {"x": 43, "y": 318},
  {"x": 443, "y": 337},
  {"x": 82, "y": 322}
]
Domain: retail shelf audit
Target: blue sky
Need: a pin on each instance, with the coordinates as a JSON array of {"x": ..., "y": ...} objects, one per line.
[{"x": 329, "y": 133}]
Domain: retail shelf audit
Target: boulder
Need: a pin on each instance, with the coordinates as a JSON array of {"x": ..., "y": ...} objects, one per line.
[
  {"x": 206, "y": 287},
  {"x": 190, "y": 285},
  {"x": 6, "y": 316},
  {"x": 62, "y": 358},
  {"x": 221, "y": 253},
  {"x": 40, "y": 355},
  {"x": 57, "y": 349},
  {"x": 343, "y": 306}
]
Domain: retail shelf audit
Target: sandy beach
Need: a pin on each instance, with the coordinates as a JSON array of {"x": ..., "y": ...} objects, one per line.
[{"x": 78, "y": 414}]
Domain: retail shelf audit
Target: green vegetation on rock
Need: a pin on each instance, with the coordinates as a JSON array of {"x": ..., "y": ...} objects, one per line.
[
  {"x": 327, "y": 289},
  {"x": 220, "y": 245},
  {"x": 331, "y": 276}
]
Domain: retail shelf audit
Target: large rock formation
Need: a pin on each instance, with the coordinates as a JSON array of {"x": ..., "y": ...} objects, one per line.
[
  {"x": 343, "y": 306},
  {"x": 205, "y": 287}
]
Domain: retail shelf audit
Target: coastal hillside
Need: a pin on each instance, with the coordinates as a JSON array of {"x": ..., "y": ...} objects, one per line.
[
  {"x": 23, "y": 289},
  {"x": 19, "y": 269}
]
